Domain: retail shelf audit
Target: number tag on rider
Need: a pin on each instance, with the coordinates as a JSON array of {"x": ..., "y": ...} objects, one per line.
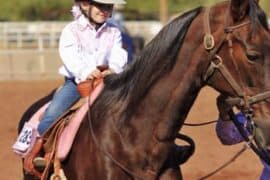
[{"x": 24, "y": 139}]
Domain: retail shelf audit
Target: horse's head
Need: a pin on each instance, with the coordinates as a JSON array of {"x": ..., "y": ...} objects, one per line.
[{"x": 240, "y": 62}]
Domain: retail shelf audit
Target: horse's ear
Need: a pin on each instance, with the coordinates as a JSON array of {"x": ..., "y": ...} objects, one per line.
[{"x": 239, "y": 9}]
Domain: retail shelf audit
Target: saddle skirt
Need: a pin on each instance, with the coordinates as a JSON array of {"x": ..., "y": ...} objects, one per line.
[{"x": 66, "y": 137}]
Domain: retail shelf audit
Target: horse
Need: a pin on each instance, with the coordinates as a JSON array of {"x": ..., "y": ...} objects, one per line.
[{"x": 129, "y": 131}]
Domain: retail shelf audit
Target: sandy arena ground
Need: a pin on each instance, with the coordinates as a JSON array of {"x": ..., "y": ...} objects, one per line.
[{"x": 209, "y": 154}]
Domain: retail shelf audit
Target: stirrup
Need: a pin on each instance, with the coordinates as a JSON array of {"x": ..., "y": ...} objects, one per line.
[
  {"x": 28, "y": 160},
  {"x": 39, "y": 162}
]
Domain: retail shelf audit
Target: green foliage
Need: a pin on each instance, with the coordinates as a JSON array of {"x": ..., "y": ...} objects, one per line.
[
  {"x": 149, "y": 9},
  {"x": 23, "y": 10},
  {"x": 176, "y": 6},
  {"x": 45, "y": 10},
  {"x": 266, "y": 6}
]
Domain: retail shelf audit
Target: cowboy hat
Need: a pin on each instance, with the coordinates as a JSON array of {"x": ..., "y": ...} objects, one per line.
[
  {"x": 110, "y": 1},
  {"x": 106, "y": 1}
]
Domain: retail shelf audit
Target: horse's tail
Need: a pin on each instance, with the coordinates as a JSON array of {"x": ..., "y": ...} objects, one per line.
[{"x": 33, "y": 108}]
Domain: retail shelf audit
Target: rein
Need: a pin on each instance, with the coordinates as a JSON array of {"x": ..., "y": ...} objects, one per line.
[
  {"x": 241, "y": 100},
  {"x": 108, "y": 154},
  {"x": 142, "y": 176},
  {"x": 228, "y": 162}
]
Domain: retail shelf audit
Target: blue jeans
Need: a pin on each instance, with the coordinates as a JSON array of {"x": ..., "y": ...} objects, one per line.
[{"x": 62, "y": 100}]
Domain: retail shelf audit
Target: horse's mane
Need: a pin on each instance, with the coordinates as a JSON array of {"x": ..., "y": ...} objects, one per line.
[
  {"x": 257, "y": 15},
  {"x": 157, "y": 59}
]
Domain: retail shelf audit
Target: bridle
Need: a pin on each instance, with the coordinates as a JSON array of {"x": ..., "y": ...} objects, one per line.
[{"x": 241, "y": 99}]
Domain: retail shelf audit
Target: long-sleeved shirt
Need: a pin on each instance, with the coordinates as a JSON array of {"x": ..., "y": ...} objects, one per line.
[{"x": 82, "y": 48}]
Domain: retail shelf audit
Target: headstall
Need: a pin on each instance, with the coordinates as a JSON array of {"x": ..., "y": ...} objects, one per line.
[{"x": 254, "y": 137}]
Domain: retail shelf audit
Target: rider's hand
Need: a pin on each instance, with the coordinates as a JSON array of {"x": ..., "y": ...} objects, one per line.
[
  {"x": 107, "y": 72},
  {"x": 95, "y": 74}
]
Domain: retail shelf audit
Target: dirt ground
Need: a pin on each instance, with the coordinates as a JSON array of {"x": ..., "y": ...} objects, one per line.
[{"x": 209, "y": 154}]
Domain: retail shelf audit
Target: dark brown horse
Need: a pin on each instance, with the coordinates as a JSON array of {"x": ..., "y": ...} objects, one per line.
[{"x": 130, "y": 130}]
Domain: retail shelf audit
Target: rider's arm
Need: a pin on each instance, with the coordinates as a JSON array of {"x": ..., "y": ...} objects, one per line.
[
  {"x": 117, "y": 58},
  {"x": 77, "y": 62}
]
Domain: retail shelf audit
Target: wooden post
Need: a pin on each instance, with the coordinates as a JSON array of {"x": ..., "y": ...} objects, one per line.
[{"x": 163, "y": 7}]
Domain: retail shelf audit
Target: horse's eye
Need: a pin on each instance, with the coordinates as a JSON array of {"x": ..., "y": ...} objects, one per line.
[{"x": 253, "y": 56}]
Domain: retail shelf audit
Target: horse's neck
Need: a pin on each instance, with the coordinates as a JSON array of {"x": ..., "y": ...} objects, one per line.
[
  {"x": 170, "y": 101},
  {"x": 171, "y": 98},
  {"x": 154, "y": 122}
]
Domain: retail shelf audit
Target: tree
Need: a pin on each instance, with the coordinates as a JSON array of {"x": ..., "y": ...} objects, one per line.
[
  {"x": 265, "y": 4},
  {"x": 134, "y": 9},
  {"x": 163, "y": 6}
]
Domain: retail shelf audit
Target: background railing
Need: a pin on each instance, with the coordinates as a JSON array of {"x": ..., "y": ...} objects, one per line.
[{"x": 28, "y": 50}]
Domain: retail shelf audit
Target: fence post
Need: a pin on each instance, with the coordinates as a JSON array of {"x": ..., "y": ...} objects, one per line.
[
  {"x": 19, "y": 39},
  {"x": 41, "y": 54},
  {"x": 5, "y": 34},
  {"x": 163, "y": 6},
  {"x": 11, "y": 66},
  {"x": 52, "y": 36}
]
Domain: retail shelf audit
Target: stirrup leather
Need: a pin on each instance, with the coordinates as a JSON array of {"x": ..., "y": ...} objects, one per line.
[{"x": 28, "y": 160}]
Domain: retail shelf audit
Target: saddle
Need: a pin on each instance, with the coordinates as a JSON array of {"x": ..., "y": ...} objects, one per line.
[{"x": 58, "y": 139}]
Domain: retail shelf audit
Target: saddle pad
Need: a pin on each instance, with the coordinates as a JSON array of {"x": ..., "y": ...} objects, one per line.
[
  {"x": 69, "y": 132},
  {"x": 34, "y": 120},
  {"x": 67, "y": 137}
]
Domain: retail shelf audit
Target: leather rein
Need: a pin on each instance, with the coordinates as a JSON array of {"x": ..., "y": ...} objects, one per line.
[
  {"x": 138, "y": 175},
  {"x": 242, "y": 100}
]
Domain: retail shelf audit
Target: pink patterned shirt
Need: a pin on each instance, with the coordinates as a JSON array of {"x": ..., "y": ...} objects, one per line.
[{"x": 82, "y": 48}]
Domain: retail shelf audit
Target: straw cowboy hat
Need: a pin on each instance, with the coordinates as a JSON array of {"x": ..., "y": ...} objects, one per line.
[{"x": 107, "y": 1}]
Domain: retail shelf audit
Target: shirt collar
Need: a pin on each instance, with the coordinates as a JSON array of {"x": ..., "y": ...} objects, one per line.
[{"x": 84, "y": 23}]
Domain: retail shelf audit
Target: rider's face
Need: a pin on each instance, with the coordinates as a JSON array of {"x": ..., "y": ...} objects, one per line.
[
  {"x": 97, "y": 12},
  {"x": 100, "y": 12}
]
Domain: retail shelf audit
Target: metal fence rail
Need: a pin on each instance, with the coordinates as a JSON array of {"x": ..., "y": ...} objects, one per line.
[
  {"x": 29, "y": 64},
  {"x": 46, "y": 34},
  {"x": 30, "y": 34},
  {"x": 28, "y": 50}
]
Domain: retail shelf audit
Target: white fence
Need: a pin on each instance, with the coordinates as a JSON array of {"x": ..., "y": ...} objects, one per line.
[
  {"x": 28, "y": 50},
  {"x": 30, "y": 34},
  {"x": 46, "y": 34},
  {"x": 29, "y": 64}
]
